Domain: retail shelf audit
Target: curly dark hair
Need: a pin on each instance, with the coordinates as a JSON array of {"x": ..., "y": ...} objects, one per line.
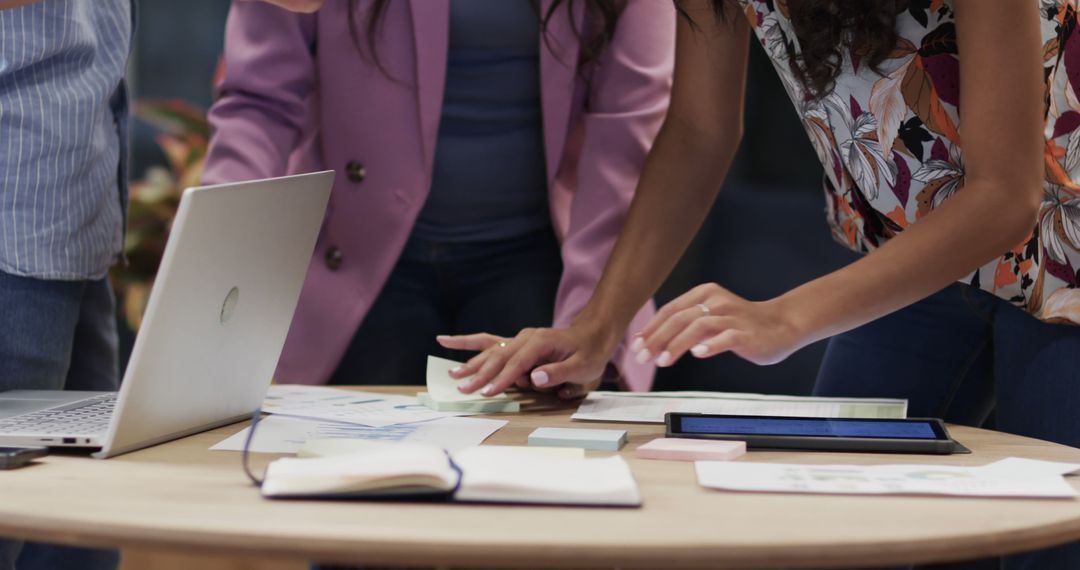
[
  {"x": 603, "y": 15},
  {"x": 824, "y": 29}
]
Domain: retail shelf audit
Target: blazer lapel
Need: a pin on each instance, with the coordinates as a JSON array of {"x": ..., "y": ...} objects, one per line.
[
  {"x": 558, "y": 71},
  {"x": 431, "y": 31}
]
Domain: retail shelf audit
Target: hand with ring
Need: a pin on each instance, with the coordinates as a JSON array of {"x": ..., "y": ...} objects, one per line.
[
  {"x": 571, "y": 361},
  {"x": 709, "y": 320}
]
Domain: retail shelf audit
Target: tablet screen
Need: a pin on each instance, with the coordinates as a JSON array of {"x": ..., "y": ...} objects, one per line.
[{"x": 813, "y": 427}]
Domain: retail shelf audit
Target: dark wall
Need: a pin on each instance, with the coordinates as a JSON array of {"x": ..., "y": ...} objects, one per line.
[{"x": 177, "y": 45}]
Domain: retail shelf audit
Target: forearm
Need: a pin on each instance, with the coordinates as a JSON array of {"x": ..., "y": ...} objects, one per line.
[
  {"x": 943, "y": 247},
  {"x": 262, "y": 105},
  {"x": 1001, "y": 89},
  {"x": 678, "y": 185}
]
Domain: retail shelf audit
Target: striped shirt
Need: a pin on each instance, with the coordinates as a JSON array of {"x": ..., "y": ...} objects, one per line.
[{"x": 63, "y": 142}]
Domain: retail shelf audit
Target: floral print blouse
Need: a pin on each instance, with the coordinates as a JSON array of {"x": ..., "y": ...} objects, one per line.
[{"x": 891, "y": 149}]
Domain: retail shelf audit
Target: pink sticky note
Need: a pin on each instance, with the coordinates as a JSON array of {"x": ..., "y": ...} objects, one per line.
[{"x": 677, "y": 449}]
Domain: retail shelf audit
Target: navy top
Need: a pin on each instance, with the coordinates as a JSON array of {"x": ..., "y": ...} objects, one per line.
[{"x": 489, "y": 180}]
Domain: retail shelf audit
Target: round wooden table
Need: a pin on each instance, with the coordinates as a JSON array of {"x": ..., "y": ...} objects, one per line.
[{"x": 180, "y": 496}]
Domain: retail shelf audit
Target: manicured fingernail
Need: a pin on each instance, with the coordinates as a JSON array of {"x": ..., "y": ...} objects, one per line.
[
  {"x": 699, "y": 350},
  {"x": 455, "y": 370},
  {"x": 540, "y": 378},
  {"x": 488, "y": 391},
  {"x": 643, "y": 356},
  {"x": 637, "y": 344},
  {"x": 664, "y": 359},
  {"x": 442, "y": 337}
]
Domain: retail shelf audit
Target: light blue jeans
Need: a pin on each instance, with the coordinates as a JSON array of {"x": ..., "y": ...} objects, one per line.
[
  {"x": 56, "y": 335},
  {"x": 970, "y": 358}
]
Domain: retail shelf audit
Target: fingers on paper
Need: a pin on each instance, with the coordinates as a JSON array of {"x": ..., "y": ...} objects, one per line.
[{"x": 480, "y": 341}]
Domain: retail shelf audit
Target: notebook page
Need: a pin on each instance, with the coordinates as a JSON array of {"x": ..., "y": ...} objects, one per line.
[{"x": 506, "y": 475}]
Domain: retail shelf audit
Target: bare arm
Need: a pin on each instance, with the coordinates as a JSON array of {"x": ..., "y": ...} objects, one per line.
[
  {"x": 1001, "y": 97},
  {"x": 1001, "y": 91},
  {"x": 679, "y": 182},
  {"x": 684, "y": 170}
]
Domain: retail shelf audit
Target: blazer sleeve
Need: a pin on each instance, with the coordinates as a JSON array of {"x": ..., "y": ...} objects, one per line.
[
  {"x": 261, "y": 110},
  {"x": 627, "y": 98}
]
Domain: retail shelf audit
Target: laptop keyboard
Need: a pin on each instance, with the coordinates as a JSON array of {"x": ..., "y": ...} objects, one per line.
[{"x": 85, "y": 417}]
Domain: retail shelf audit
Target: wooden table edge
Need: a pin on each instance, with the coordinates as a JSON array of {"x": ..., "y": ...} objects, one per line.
[
  {"x": 546, "y": 555},
  {"x": 408, "y": 553}
]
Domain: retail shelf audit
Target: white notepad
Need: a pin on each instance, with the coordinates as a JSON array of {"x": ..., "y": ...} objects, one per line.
[
  {"x": 382, "y": 469},
  {"x": 443, "y": 394}
]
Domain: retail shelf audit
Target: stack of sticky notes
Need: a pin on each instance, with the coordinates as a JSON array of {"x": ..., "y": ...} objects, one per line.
[
  {"x": 679, "y": 449},
  {"x": 443, "y": 394},
  {"x": 597, "y": 439}
]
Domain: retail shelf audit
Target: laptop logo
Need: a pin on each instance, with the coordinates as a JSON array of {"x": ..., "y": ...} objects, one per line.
[{"x": 229, "y": 306}]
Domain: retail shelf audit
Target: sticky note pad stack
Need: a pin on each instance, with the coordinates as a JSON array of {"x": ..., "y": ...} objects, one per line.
[
  {"x": 442, "y": 393},
  {"x": 679, "y": 449},
  {"x": 597, "y": 439}
]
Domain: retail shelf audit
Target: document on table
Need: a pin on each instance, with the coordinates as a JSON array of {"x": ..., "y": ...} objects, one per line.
[
  {"x": 285, "y": 434},
  {"x": 1013, "y": 477},
  {"x": 650, "y": 407},
  {"x": 363, "y": 408}
]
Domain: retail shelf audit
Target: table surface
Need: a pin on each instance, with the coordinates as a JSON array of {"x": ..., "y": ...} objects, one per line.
[{"x": 183, "y": 497}]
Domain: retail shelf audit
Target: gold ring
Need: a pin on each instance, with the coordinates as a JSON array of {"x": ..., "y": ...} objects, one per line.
[
  {"x": 704, "y": 308},
  {"x": 502, "y": 344}
]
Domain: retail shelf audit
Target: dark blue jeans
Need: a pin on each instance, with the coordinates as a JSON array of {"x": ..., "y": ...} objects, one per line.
[
  {"x": 963, "y": 354},
  {"x": 451, "y": 288},
  {"x": 56, "y": 335}
]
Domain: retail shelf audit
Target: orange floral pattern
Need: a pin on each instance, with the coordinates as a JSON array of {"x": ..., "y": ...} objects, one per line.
[{"x": 890, "y": 144}]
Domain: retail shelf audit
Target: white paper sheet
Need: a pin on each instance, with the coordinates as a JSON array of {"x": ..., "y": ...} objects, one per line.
[
  {"x": 284, "y": 434},
  {"x": 1020, "y": 468},
  {"x": 362, "y": 408},
  {"x": 651, "y": 407},
  {"x": 986, "y": 481}
]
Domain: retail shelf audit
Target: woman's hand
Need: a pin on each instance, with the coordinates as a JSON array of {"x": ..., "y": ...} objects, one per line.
[
  {"x": 709, "y": 320},
  {"x": 571, "y": 360}
]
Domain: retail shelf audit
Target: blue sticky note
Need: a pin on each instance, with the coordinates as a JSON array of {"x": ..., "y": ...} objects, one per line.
[{"x": 598, "y": 439}]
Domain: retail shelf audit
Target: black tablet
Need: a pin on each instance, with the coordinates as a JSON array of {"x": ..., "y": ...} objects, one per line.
[{"x": 922, "y": 435}]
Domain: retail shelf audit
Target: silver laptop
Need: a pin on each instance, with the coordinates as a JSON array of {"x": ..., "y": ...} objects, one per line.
[{"x": 214, "y": 325}]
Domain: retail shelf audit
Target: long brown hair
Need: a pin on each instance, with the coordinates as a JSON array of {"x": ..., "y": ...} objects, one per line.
[
  {"x": 825, "y": 28},
  {"x": 602, "y": 16}
]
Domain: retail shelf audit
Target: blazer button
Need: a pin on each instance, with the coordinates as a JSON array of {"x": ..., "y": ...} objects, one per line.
[
  {"x": 355, "y": 171},
  {"x": 333, "y": 258}
]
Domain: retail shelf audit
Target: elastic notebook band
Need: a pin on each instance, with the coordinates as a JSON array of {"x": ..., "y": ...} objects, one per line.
[
  {"x": 460, "y": 475},
  {"x": 247, "y": 443}
]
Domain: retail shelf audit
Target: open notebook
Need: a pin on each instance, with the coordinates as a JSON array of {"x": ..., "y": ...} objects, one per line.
[{"x": 487, "y": 474}]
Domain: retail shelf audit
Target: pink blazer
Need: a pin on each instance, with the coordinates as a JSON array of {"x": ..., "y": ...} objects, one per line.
[{"x": 285, "y": 106}]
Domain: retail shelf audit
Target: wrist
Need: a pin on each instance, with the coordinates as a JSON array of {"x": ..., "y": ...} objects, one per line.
[
  {"x": 798, "y": 322},
  {"x": 600, "y": 327}
]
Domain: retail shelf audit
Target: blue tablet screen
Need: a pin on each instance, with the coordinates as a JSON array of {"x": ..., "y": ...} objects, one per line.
[{"x": 809, "y": 427}]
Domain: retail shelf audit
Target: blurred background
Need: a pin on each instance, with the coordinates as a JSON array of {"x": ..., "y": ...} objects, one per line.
[{"x": 765, "y": 235}]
